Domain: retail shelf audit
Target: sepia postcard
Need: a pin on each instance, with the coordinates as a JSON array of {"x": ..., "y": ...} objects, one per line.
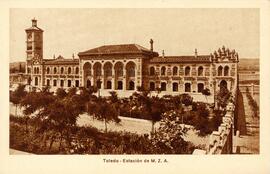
[{"x": 135, "y": 87}]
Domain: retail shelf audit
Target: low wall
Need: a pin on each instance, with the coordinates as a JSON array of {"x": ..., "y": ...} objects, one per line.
[{"x": 220, "y": 141}]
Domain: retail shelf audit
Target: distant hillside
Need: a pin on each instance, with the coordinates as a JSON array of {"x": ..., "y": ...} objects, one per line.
[
  {"x": 17, "y": 67},
  {"x": 249, "y": 64}
]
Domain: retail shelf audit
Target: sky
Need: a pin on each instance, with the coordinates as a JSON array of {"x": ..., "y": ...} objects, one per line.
[{"x": 176, "y": 31}]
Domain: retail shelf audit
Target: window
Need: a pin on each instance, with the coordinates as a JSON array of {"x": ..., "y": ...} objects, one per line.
[
  {"x": 200, "y": 71},
  {"x": 187, "y": 87},
  {"x": 55, "y": 70},
  {"x": 77, "y": 70},
  {"x": 220, "y": 69},
  {"x": 69, "y": 70},
  {"x": 226, "y": 71},
  {"x": 163, "y": 86},
  {"x": 175, "y": 71},
  {"x": 48, "y": 82},
  {"x": 175, "y": 86},
  {"x": 54, "y": 82},
  {"x": 187, "y": 71},
  {"x": 48, "y": 70},
  {"x": 69, "y": 83},
  {"x": 152, "y": 71},
  {"x": 62, "y": 83},
  {"x": 200, "y": 87},
  {"x": 37, "y": 70},
  {"x": 62, "y": 70},
  {"x": 29, "y": 70},
  {"x": 77, "y": 83},
  {"x": 163, "y": 71},
  {"x": 152, "y": 86}
]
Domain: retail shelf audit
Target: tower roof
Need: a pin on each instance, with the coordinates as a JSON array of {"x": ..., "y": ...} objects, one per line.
[{"x": 34, "y": 26}]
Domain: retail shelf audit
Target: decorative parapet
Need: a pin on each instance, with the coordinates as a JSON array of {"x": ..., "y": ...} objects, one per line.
[{"x": 220, "y": 141}]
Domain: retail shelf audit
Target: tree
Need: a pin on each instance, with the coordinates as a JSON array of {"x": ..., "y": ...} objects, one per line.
[
  {"x": 206, "y": 92},
  {"x": 223, "y": 97},
  {"x": 168, "y": 137},
  {"x": 17, "y": 96},
  {"x": 104, "y": 111},
  {"x": 186, "y": 99}
]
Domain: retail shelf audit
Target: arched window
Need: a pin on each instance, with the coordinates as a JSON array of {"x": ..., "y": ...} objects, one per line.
[
  {"x": 200, "y": 71},
  {"x": 163, "y": 86},
  {"x": 77, "y": 83},
  {"x": 187, "y": 87},
  {"x": 48, "y": 82},
  {"x": 187, "y": 71},
  {"x": 37, "y": 70},
  {"x": 220, "y": 69},
  {"x": 175, "y": 71},
  {"x": 130, "y": 69},
  {"x": 226, "y": 71},
  {"x": 69, "y": 83},
  {"x": 152, "y": 71},
  {"x": 48, "y": 70},
  {"x": 29, "y": 70},
  {"x": 55, "y": 70},
  {"x": 77, "y": 70},
  {"x": 152, "y": 86},
  {"x": 54, "y": 82},
  {"x": 62, "y": 83},
  {"x": 163, "y": 71},
  {"x": 200, "y": 87},
  {"x": 175, "y": 86},
  {"x": 62, "y": 70},
  {"x": 69, "y": 70}
]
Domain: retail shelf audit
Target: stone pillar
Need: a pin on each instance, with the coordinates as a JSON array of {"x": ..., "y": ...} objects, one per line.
[
  {"x": 252, "y": 89},
  {"x": 124, "y": 77},
  {"x": 113, "y": 78},
  {"x": 102, "y": 79}
]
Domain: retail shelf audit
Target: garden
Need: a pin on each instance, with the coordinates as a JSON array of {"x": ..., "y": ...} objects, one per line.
[{"x": 49, "y": 122}]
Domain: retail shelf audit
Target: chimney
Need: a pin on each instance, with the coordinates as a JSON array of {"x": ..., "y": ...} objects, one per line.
[
  {"x": 196, "y": 53},
  {"x": 54, "y": 56},
  {"x": 73, "y": 57},
  {"x": 151, "y": 44},
  {"x": 163, "y": 54},
  {"x": 34, "y": 22}
]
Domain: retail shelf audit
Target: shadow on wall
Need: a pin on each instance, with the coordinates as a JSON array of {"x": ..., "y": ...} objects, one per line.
[{"x": 241, "y": 119}]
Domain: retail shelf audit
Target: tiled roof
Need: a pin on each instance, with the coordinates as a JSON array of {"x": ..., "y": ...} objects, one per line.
[
  {"x": 61, "y": 60},
  {"x": 116, "y": 49},
  {"x": 186, "y": 59},
  {"x": 34, "y": 28}
]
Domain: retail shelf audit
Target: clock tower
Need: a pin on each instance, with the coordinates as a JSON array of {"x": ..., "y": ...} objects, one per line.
[{"x": 34, "y": 53}]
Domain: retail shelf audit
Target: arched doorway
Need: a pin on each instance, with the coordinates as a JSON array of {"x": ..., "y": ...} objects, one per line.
[
  {"x": 187, "y": 87},
  {"x": 200, "y": 87},
  {"x": 109, "y": 85},
  {"x": 36, "y": 81},
  {"x": 223, "y": 84},
  {"x": 119, "y": 85},
  {"x": 131, "y": 85},
  {"x": 88, "y": 83}
]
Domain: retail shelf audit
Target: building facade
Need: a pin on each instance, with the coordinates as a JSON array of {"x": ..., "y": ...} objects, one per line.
[{"x": 124, "y": 68}]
